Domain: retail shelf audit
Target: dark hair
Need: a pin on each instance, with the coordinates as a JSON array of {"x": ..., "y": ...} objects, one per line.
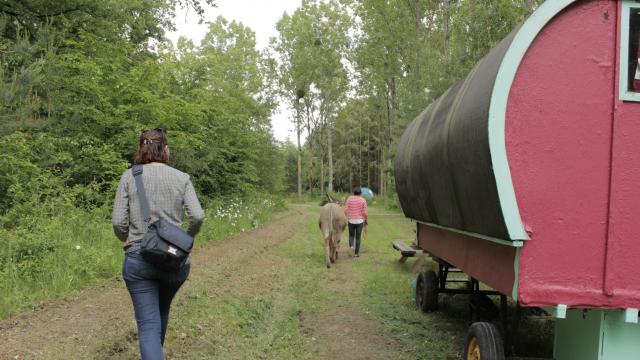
[
  {"x": 152, "y": 147},
  {"x": 357, "y": 191}
]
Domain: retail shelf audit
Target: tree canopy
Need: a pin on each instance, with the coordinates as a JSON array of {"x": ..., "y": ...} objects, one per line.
[
  {"x": 389, "y": 59},
  {"x": 80, "y": 79}
]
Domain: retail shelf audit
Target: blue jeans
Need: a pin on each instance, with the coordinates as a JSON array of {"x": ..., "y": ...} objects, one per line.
[
  {"x": 151, "y": 291},
  {"x": 355, "y": 229}
]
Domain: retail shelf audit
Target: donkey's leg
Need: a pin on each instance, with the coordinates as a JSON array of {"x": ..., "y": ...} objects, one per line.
[
  {"x": 332, "y": 249},
  {"x": 327, "y": 255},
  {"x": 336, "y": 245}
]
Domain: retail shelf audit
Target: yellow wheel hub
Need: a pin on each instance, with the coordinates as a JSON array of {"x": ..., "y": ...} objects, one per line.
[{"x": 473, "y": 353}]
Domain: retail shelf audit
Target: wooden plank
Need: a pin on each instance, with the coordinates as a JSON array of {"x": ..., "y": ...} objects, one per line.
[{"x": 404, "y": 248}]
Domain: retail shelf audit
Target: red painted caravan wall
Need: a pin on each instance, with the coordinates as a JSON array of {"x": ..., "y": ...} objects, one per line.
[
  {"x": 484, "y": 260},
  {"x": 622, "y": 271},
  {"x": 559, "y": 131}
]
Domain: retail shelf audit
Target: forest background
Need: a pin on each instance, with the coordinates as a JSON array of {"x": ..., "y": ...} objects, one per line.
[{"x": 80, "y": 79}]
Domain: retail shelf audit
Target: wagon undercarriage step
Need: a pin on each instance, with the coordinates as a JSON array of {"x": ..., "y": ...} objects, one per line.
[{"x": 405, "y": 250}]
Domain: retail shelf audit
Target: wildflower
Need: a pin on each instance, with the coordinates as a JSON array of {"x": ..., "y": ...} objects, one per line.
[{"x": 77, "y": 247}]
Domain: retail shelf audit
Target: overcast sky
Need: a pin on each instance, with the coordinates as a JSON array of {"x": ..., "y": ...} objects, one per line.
[{"x": 261, "y": 16}]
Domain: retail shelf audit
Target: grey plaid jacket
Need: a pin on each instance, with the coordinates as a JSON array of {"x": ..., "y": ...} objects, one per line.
[{"x": 168, "y": 191}]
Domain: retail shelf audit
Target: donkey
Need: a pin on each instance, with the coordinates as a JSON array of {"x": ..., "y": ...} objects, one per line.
[{"x": 332, "y": 223}]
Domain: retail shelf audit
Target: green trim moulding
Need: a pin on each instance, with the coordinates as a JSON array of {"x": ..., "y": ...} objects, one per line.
[{"x": 498, "y": 109}]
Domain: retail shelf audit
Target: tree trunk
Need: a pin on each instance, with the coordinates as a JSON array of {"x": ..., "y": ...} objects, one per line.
[
  {"x": 474, "y": 31},
  {"x": 393, "y": 115},
  {"x": 321, "y": 147},
  {"x": 329, "y": 158},
  {"x": 445, "y": 29},
  {"x": 351, "y": 186},
  {"x": 298, "y": 130},
  {"x": 309, "y": 123},
  {"x": 381, "y": 191},
  {"x": 367, "y": 158},
  {"x": 322, "y": 173},
  {"x": 382, "y": 135},
  {"x": 359, "y": 154}
]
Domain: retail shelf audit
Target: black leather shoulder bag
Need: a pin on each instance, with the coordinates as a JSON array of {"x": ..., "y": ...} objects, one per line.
[{"x": 165, "y": 245}]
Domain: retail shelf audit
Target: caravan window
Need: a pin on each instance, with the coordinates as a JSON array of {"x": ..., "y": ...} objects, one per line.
[{"x": 630, "y": 51}]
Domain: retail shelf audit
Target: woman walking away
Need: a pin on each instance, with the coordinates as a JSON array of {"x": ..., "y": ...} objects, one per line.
[
  {"x": 168, "y": 191},
  {"x": 357, "y": 214}
]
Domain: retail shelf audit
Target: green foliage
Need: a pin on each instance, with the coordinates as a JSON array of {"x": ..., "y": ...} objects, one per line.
[
  {"x": 41, "y": 175},
  {"x": 79, "y": 81},
  {"x": 53, "y": 256},
  {"x": 399, "y": 56},
  {"x": 85, "y": 85},
  {"x": 410, "y": 52}
]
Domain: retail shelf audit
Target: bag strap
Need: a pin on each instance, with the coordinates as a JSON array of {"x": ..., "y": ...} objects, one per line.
[{"x": 142, "y": 195}]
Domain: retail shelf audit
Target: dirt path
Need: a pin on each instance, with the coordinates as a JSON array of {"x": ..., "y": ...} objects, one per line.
[
  {"x": 347, "y": 332},
  {"x": 98, "y": 323}
]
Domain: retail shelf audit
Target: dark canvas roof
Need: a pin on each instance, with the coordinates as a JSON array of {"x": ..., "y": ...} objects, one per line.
[{"x": 443, "y": 167}]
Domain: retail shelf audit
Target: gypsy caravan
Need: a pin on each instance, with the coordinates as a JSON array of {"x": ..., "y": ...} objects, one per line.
[{"x": 525, "y": 175}]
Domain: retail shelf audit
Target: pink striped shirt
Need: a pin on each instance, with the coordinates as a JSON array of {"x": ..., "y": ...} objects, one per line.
[{"x": 356, "y": 208}]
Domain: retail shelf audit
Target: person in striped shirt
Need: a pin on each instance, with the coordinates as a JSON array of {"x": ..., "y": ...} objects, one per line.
[{"x": 357, "y": 215}]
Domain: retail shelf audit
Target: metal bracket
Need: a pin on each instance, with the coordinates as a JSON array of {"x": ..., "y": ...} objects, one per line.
[
  {"x": 561, "y": 311},
  {"x": 631, "y": 316}
]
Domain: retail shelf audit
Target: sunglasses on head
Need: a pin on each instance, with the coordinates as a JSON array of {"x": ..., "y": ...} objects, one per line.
[{"x": 149, "y": 141}]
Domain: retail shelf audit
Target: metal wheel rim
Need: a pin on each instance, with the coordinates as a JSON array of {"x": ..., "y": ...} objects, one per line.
[{"x": 473, "y": 352}]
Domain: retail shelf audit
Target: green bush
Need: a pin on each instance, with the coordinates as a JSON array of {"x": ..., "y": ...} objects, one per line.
[{"x": 53, "y": 256}]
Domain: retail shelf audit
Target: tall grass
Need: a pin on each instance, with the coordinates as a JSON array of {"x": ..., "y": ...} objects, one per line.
[
  {"x": 229, "y": 216},
  {"x": 56, "y": 256},
  {"x": 68, "y": 252}
]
